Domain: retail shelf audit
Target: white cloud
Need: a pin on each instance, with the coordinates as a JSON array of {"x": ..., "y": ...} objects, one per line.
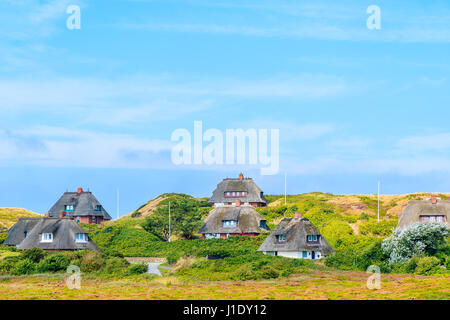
[
  {"x": 440, "y": 142},
  {"x": 57, "y": 146}
]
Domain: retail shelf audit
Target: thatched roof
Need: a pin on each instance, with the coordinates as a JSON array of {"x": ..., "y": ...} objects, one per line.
[
  {"x": 84, "y": 204},
  {"x": 417, "y": 208},
  {"x": 254, "y": 193},
  {"x": 17, "y": 232},
  {"x": 296, "y": 231},
  {"x": 248, "y": 220},
  {"x": 63, "y": 231}
]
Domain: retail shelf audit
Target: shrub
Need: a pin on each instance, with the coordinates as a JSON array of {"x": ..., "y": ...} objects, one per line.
[
  {"x": 136, "y": 214},
  {"x": 7, "y": 264},
  {"x": 3, "y": 236},
  {"x": 33, "y": 254},
  {"x": 427, "y": 265},
  {"x": 415, "y": 239},
  {"x": 137, "y": 268},
  {"x": 363, "y": 216},
  {"x": 173, "y": 258},
  {"x": 25, "y": 266},
  {"x": 53, "y": 263},
  {"x": 379, "y": 228},
  {"x": 92, "y": 261},
  {"x": 116, "y": 266}
]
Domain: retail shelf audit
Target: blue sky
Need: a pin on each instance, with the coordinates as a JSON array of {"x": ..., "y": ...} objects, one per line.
[{"x": 96, "y": 107}]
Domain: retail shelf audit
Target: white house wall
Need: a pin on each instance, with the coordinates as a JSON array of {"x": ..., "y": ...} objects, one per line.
[{"x": 298, "y": 254}]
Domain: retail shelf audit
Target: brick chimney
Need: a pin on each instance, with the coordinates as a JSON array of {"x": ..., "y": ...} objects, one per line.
[
  {"x": 61, "y": 214},
  {"x": 433, "y": 199},
  {"x": 241, "y": 176},
  {"x": 298, "y": 215},
  {"x": 238, "y": 203},
  {"x": 47, "y": 215},
  {"x": 79, "y": 190}
]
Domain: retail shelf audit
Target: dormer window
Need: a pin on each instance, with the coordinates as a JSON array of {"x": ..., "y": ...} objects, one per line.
[
  {"x": 98, "y": 208},
  {"x": 281, "y": 238},
  {"x": 262, "y": 224},
  {"x": 68, "y": 208},
  {"x": 47, "y": 237},
  {"x": 25, "y": 234},
  {"x": 81, "y": 237},
  {"x": 235, "y": 194},
  {"x": 229, "y": 223},
  {"x": 312, "y": 238}
]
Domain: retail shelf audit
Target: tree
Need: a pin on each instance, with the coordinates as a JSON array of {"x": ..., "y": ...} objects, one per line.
[
  {"x": 157, "y": 224},
  {"x": 190, "y": 224},
  {"x": 416, "y": 239}
]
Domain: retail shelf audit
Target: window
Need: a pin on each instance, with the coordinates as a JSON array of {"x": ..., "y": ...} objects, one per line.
[
  {"x": 305, "y": 254},
  {"x": 98, "y": 208},
  {"x": 78, "y": 219},
  {"x": 25, "y": 234},
  {"x": 262, "y": 224},
  {"x": 212, "y": 236},
  {"x": 81, "y": 237},
  {"x": 432, "y": 218},
  {"x": 282, "y": 238},
  {"x": 229, "y": 223},
  {"x": 312, "y": 238},
  {"x": 47, "y": 237},
  {"x": 69, "y": 208}
]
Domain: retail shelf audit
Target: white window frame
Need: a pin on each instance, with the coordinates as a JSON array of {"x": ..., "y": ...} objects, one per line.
[
  {"x": 47, "y": 237},
  {"x": 281, "y": 238},
  {"x": 79, "y": 239},
  {"x": 68, "y": 208}
]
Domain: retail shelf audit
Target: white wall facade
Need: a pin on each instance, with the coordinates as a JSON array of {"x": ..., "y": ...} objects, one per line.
[{"x": 296, "y": 254}]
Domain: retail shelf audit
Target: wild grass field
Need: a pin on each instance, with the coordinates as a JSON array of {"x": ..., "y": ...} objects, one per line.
[{"x": 331, "y": 284}]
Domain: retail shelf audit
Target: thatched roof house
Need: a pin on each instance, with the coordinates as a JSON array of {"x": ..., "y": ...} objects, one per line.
[
  {"x": 432, "y": 210},
  {"x": 241, "y": 189},
  {"x": 225, "y": 221},
  {"x": 296, "y": 238},
  {"x": 49, "y": 234},
  {"x": 80, "y": 205}
]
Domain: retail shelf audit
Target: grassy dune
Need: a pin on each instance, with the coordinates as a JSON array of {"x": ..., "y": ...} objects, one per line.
[
  {"x": 9, "y": 216},
  {"x": 314, "y": 285}
]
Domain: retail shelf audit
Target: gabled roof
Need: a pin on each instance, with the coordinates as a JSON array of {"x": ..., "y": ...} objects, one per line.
[
  {"x": 84, "y": 203},
  {"x": 16, "y": 233},
  {"x": 254, "y": 193},
  {"x": 63, "y": 231},
  {"x": 296, "y": 231},
  {"x": 417, "y": 208},
  {"x": 248, "y": 220}
]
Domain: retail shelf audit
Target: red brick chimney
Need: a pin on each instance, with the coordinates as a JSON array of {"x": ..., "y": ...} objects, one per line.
[
  {"x": 79, "y": 190},
  {"x": 241, "y": 176},
  {"x": 61, "y": 214},
  {"x": 433, "y": 199},
  {"x": 298, "y": 215},
  {"x": 238, "y": 203}
]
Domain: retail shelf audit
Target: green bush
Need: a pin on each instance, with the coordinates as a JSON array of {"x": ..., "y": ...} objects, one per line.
[
  {"x": 92, "y": 261},
  {"x": 7, "y": 264},
  {"x": 173, "y": 257},
  {"x": 379, "y": 228},
  {"x": 364, "y": 216},
  {"x": 3, "y": 236},
  {"x": 25, "y": 266},
  {"x": 33, "y": 254},
  {"x": 116, "y": 266},
  {"x": 137, "y": 268},
  {"x": 53, "y": 263},
  {"x": 136, "y": 214},
  {"x": 427, "y": 265}
]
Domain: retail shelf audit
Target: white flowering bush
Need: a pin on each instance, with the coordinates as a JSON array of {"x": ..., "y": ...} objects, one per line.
[{"x": 416, "y": 239}]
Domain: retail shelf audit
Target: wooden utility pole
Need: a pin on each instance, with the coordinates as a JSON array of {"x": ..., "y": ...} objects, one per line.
[{"x": 378, "y": 201}]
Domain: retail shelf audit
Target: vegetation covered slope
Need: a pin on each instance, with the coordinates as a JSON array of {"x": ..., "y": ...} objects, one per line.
[{"x": 9, "y": 216}]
